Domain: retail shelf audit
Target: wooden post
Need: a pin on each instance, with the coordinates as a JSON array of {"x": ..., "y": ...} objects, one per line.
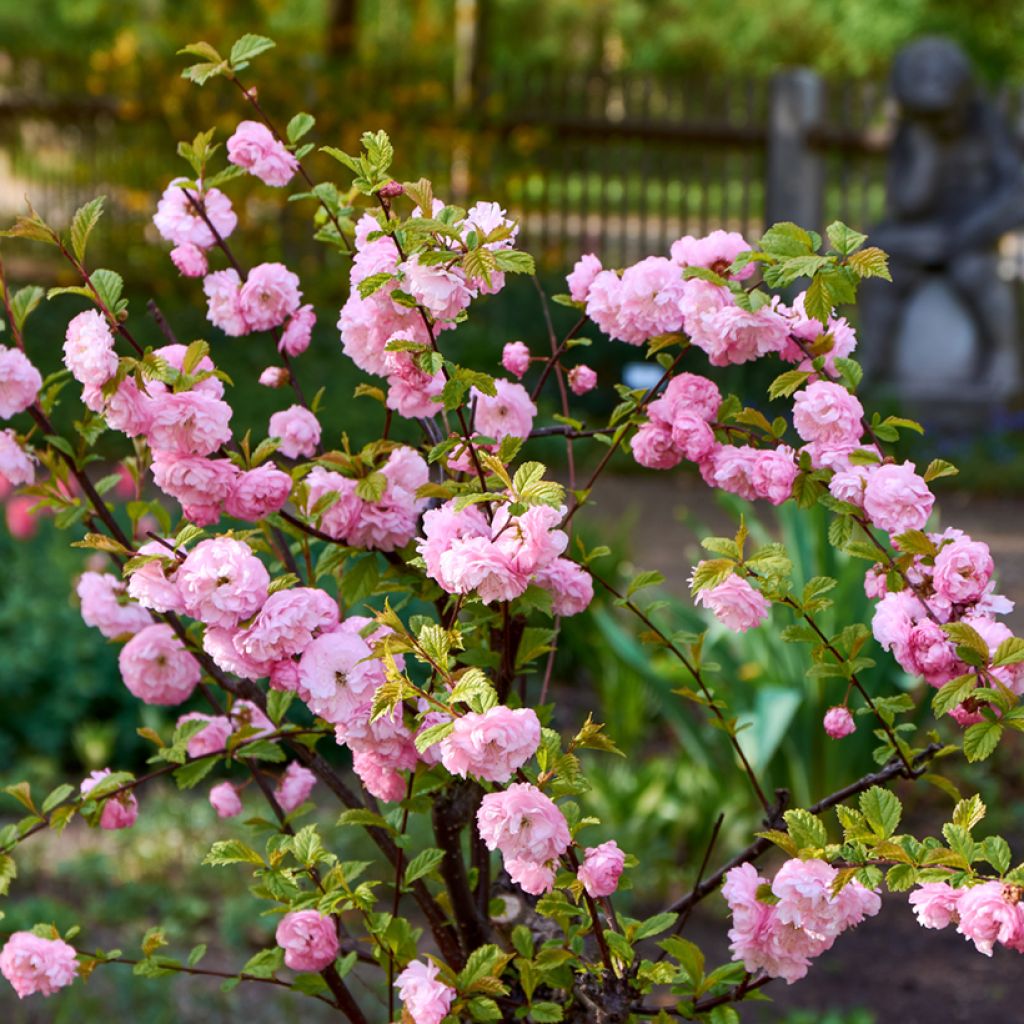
[{"x": 795, "y": 184}]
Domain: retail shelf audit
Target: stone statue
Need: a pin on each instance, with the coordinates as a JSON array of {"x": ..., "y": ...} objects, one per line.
[{"x": 946, "y": 328}]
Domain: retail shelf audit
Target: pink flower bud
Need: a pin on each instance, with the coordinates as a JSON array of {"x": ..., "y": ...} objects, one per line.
[{"x": 839, "y": 722}]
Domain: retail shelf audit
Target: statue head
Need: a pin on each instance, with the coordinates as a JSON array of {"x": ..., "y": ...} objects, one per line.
[{"x": 932, "y": 78}]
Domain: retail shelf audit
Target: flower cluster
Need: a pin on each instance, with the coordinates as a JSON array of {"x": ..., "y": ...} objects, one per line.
[
  {"x": 529, "y": 829},
  {"x": 387, "y": 335},
  {"x": 801, "y": 919},
  {"x": 498, "y": 560},
  {"x": 984, "y": 914}
]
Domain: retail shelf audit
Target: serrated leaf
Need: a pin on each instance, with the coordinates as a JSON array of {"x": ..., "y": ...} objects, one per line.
[
  {"x": 786, "y": 383},
  {"x": 807, "y": 831},
  {"x": 882, "y": 810},
  {"x": 247, "y": 47},
  {"x": 870, "y": 262},
  {"x": 423, "y": 864},
  {"x": 299, "y": 126},
  {"x": 981, "y": 739},
  {"x": 84, "y": 220},
  {"x": 844, "y": 240}
]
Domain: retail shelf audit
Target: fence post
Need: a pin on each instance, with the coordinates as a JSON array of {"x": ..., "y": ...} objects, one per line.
[{"x": 794, "y": 189}]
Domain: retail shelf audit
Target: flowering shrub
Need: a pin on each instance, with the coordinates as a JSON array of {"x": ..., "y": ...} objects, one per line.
[{"x": 404, "y": 601}]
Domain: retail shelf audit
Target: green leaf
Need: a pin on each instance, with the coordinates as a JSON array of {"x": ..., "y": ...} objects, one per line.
[
  {"x": 870, "y": 262},
  {"x": 85, "y": 219},
  {"x": 807, "y": 831},
  {"x": 981, "y": 739},
  {"x": 264, "y": 963},
  {"x": 545, "y": 1013},
  {"x": 650, "y": 578},
  {"x": 953, "y": 693},
  {"x": 8, "y": 872},
  {"x": 426, "y": 738},
  {"x": 710, "y": 573},
  {"x": 197, "y": 954},
  {"x": 191, "y": 774},
  {"x": 969, "y": 812},
  {"x": 247, "y": 47},
  {"x": 655, "y": 925},
  {"x": 231, "y": 851},
  {"x": 786, "y": 383},
  {"x": 23, "y": 302},
  {"x": 1009, "y": 652},
  {"x": 423, "y": 864},
  {"x": 882, "y": 810},
  {"x": 57, "y": 796},
  {"x": 299, "y": 125},
  {"x": 689, "y": 956},
  {"x": 939, "y": 468},
  {"x": 844, "y": 240},
  {"x": 365, "y": 818},
  {"x": 786, "y": 240}
]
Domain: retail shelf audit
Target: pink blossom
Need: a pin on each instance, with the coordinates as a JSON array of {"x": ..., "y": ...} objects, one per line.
[
  {"x": 21, "y": 521},
  {"x": 478, "y": 565},
  {"x": 586, "y": 268},
  {"x": 839, "y": 722},
  {"x": 196, "y": 482},
  {"x": 523, "y": 823},
  {"x": 582, "y": 379},
  {"x": 928, "y": 652},
  {"x": 152, "y": 584},
  {"x": 894, "y": 617},
  {"x": 804, "y": 889},
  {"x": 297, "y": 332},
  {"x": 692, "y": 436},
  {"x": 188, "y": 423},
  {"x": 963, "y": 570},
  {"x": 601, "y": 868},
  {"x": 828, "y": 413},
  {"x": 569, "y": 584},
  {"x": 491, "y": 745},
  {"x": 412, "y": 392},
  {"x": 89, "y": 349},
  {"x": 426, "y": 1000},
  {"x": 653, "y": 446},
  {"x": 380, "y": 774},
  {"x": 284, "y": 676},
  {"x": 294, "y": 787},
  {"x": 848, "y": 485},
  {"x": 224, "y": 799},
  {"x": 190, "y": 260},
  {"x": 530, "y": 876},
  {"x": 287, "y": 623},
  {"x": 20, "y": 381},
  {"x": 988, "y": 914},
  {"x": 254, "y": 147},
  {"x": 126, "y": 410},
  {"x": 811, "y": 332},
  {"x": 33, "y": 964},
  {"x": 735, "y": 603},
  {"x": 896, "y": 499},
  {"x": 223, "y": 289},
  {"x": 258, "y": 492},
  {"x": 274, "y": 377},
  {"x": 299, "y": 431},
  {"x": 156, "y": 667},
  {"x": 735, "y": 335},
  {"x": 686, "y": 392},
  {"x": 106, "y": 606},
  {"x": 775, "y": 470},
  {"x": 222, "y": 582},
  {"x": 212, "y": 738},
  {"x": 508, "y": 413},
  {"x": 515, "y": 357},
  {"x": 716, "y": 252},
  {"x": 732, "y": 467},
  {"x": 219, "y": 644},
  {"x": 178, "y": 222},
  {"x": 17, "y": 467},
  {"x": 442, "y": 292},
  {"x": 269, "y": 296},
  {"x": 119, "y": 811},
  {"x": 935, "y": 904}
]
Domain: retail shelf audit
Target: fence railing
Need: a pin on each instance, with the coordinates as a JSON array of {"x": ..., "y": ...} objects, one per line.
[{"x": 619, "y": 164}]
